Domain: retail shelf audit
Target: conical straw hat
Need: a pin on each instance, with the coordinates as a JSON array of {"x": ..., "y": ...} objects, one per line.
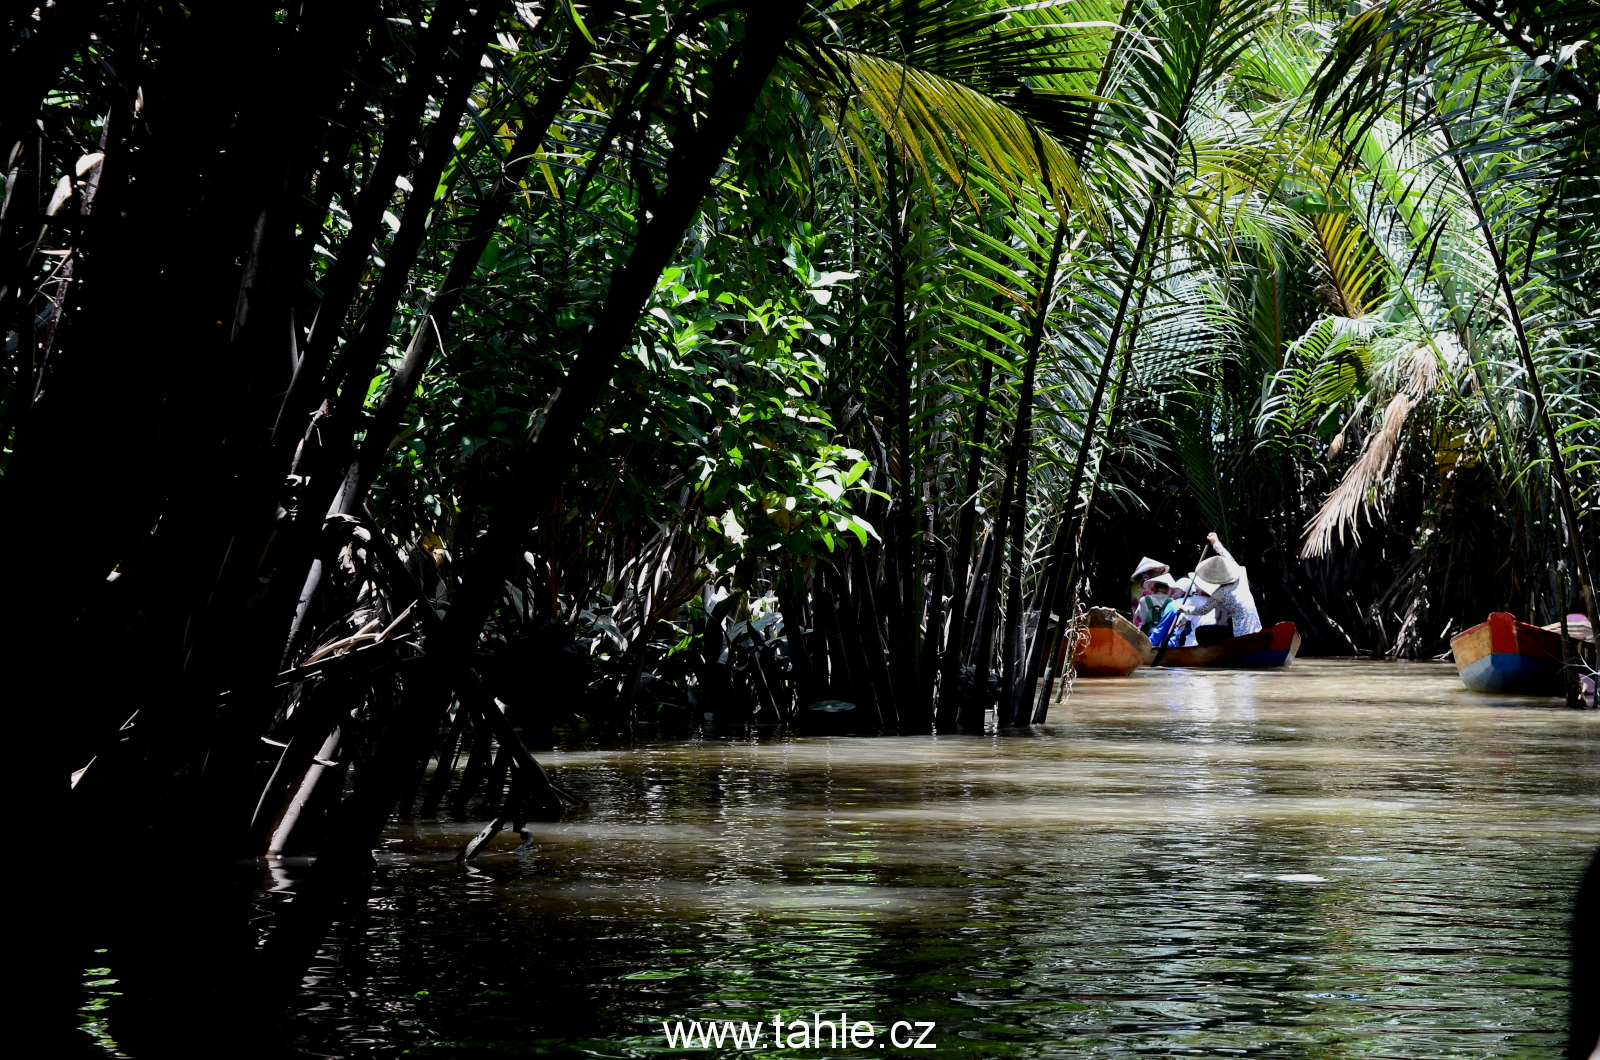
[
  {"x": 1216, "y": 569},
  {"x": 1145, "y": 566}
]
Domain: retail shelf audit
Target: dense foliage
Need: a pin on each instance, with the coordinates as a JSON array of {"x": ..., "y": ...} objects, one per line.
[{"x": 689, "y": 363}]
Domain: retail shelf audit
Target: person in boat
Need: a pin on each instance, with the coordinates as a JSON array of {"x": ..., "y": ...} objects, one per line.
[
  {"x": 1147, "y": 569},
  {"x": 1154, "y": 604},
  {"x": 1231, "y": 600},
  {"x": 1176, "y": 630}
]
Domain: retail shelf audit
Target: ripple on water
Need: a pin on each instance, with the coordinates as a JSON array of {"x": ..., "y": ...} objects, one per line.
[{"x": 1345, "y": 859}]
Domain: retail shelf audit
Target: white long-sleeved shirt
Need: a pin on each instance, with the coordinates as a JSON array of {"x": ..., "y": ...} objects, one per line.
[{"x": 1232, "y": 603}]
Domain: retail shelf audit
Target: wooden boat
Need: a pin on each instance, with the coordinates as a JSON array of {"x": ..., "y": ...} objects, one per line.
[
  {"x": 1115, "y": 648},
  {"x": 1273, "y": 646},
  {"x": 1504, "y": 655},
  {"x": 1578, "y": 628}
]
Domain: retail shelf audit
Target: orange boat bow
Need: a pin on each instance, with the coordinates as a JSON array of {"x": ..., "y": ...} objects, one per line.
[{"x": 1115, "y": 647}]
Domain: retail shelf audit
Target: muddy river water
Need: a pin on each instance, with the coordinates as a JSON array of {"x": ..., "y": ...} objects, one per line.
[{"x": 1344, "y": 859}]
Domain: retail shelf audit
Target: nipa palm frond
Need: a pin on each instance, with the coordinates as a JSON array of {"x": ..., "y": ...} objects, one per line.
[{"x": 945, "y": 81}]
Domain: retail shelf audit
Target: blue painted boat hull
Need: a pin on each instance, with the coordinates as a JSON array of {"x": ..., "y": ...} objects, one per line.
[
  {"x": 1266, "y": 658},
  {"x": 1273, "y": 646},
  {"x": 1504, "y": 655},
  {"x": 1508, "y": 672}
]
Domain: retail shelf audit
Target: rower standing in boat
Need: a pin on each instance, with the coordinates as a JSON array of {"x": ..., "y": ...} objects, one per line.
[{"x": 1231, "y": 599}]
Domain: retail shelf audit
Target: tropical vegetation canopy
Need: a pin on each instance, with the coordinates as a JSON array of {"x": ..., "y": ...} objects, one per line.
[{"x": 393, "y": 383}]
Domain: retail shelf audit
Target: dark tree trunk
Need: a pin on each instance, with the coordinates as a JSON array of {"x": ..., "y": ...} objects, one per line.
[
  {"x": 1011, "y": 712},
  {"x": 859, "y": 651},
  {"x": 872, "y": 637},
  {"x": 540, "y": 472},
  {"x": 435, "y": 324},
  {"x": 932, "y": 636},
  {"x": 1063, "y": 567},
  {"x": 902, "y": 621},
  {"x": 1044, "y": 652},
  {"x": 961, "y": 564}
]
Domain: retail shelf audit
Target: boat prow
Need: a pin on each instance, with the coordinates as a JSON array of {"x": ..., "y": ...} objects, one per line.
[
  {"x": 1115, "y": 646},
  {"x": 1504, "y": 655},
  {"x": 1274, "y": 646}
]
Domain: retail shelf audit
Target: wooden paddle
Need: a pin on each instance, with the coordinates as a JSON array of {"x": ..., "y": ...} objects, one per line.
[{"x": 1167, "y": 638}]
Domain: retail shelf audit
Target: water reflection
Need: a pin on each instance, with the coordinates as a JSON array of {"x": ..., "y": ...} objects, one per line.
[{"x": 1347, "y": 859}]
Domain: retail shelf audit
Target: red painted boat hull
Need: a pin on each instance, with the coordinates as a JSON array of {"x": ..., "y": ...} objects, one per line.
[
  {"x": 1504, "y": 655},
  {"x": 1272, "y": 647}
]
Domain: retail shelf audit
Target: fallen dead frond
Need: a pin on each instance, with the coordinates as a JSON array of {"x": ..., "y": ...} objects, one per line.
[{"x": 1365, "y": 487}]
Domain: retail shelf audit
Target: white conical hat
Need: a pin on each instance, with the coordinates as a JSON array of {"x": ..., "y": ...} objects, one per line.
[
  {"x": 1146, "y": 566},
  {"x": 1192, "y": 581},
  {"x": 1219, "y": 570}
]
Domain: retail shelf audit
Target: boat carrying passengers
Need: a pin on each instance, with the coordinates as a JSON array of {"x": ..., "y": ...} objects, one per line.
[{"x": 1231, "y": 598}]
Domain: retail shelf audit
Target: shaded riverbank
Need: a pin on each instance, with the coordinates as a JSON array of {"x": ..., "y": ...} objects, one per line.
[{"x": 1348, "y": 858}]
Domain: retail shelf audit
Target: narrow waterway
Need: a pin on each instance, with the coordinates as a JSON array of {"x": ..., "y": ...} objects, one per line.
[{"x": 1344, "y": 859}]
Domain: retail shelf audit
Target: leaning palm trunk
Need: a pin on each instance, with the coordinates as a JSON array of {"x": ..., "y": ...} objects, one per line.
[
  {"x": 1062, "y": 570},
  {"x": 291, "y": 551},
  {"x": 1045, "y": 659},
  {"x": 1199, "y": 43},
  {"x": 435, "y": 323},
  {"x": 341, "y": 287},
  {"x": 174, "y": 227},
  {"x": 991, "y": 576},
  {"x": 541, "y": 469},
  {"x": 350, "y": 500},
  {"x": 1020, "y": 440}
]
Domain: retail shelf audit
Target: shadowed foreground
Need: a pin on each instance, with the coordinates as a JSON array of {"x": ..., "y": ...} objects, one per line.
[{"x": 1342, "y": 859}]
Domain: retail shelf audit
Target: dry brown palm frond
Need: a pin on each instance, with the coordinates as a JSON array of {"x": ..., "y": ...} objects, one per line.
[
  {"x": 1422, "y": 371},
  {"x": 1414, "y": 368},
  {"x": 1364, "y": 487}
]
